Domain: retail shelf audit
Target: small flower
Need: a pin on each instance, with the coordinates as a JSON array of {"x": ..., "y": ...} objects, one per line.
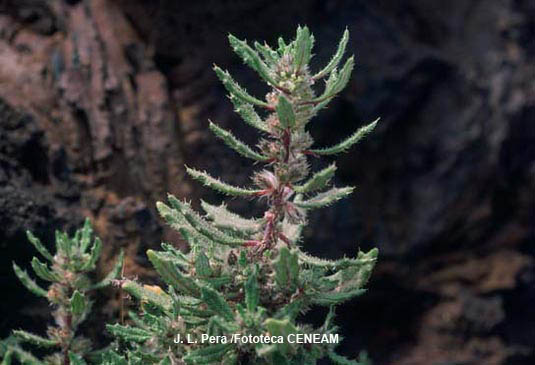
[{"x": 266, "y": 180}]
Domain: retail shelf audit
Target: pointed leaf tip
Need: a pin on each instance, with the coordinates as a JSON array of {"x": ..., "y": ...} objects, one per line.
[
  {"x": 348, "y": 142},
  {"x": 335, "y": 60}
]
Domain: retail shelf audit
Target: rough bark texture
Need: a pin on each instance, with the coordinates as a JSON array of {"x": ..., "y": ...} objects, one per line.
[{"x": 102, "y": 102}]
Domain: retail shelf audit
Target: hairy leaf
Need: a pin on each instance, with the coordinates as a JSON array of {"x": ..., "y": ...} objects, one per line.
[
  {"x": 252, "y": 293},
  {"x": 285, "y": 113},
  {"x": 216, "y": 302},
  {"x": 78, "y": 303},
  {"x": 172, "y": 275},
  {"x": 202, "y": 265},
  {"x": 28, "y": 282},
  {"x": 94, "y": 255},
  {"x": 236, "y": 90},
  {"x": 248, "y": 114},
  {"x": 270, "y": 56},
  {"x": 113, "y": 274},
  {"x": 281, "y": 327},
  {"x": 128, "y": 333},
  {"x": 160, "y": 300},
  {"x": 218, "y": 185},
  {"x": 318, "y": 181},
  {"x": 348, "y": 142},
  {"x": 42, "y": 270},
  {"x": 325, "y": 199},
  {"x": 224, "y": 218},
  {"x": 236, "y": 144},
  {"x": 85, "y": 239},
  {"x": 302, "y": 48},
  {"x": 200, "y": 225},
  {"x": 251, "y": 58},
  {"x": 286, "y": 270},
  {"x": 36, "y": 242},
  {"x": 208, "y": 354},
  {"x": 337, "y": 81},
  {"x": 335, "y": 60},
  {"x": 35, "y": 339}
]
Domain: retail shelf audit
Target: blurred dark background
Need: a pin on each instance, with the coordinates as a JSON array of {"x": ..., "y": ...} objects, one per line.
[{"x": 102, "y": 102}]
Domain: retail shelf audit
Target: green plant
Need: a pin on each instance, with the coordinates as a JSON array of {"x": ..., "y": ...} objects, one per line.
[
  {"x": 248, "y": 278},
  {"x": 68, "y": 294}
]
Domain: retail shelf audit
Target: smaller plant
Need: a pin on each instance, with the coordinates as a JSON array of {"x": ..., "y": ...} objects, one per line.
[{"x": 68, "y": 293}]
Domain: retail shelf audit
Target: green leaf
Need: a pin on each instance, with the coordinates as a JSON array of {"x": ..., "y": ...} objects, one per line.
[
  {"x": 302, "y": 48},
  {"x": 202, "y": 265},
  {"x": 217, "y": 322},
  {"x": 348, "y": 142},
  {"x": 281, "y": 327},
  {"x": 333, "y": 298},
  {"x": 207, "y": 354},
  {"x": 63, "y": 243},
  {"x": 160, "y": 300},
  {"x": 329, "y": 319},
  {"x": 218, "y": 185},
  {"x": 329, "y": 264},
  {"x": 286, "y": 270},
  {"x": 39, "y": 246},
  {"x": 42, "y": 270},
  {"x": 87, "y": 231},
  {"x": 236, "y": 144},
  {"x": 13, "y": 350},
  {"x": 252, "y": 293},
  {"x": 325, "y": 199},
  {"x": 236, "y": 90},
  {"x": 129, "y": 334},
  {"x": 110, "y": 357},
  {"x": 35, "y": 339},
  {"x": 319, "y": 106},
  {"x": 183, "y": 260},
  {"x": 282, "y": 46},
  {"x": 78, "y": 303},
  {"x": 270, "y": 56},
  {"x": 28, "y": 282},
  {"x": 318, "y": 181},
  {"x": 171, "y": 275},
  {"x": 292, "y": 231},
  {"x": 196, "y": 222},
  {"x": 90, "y": 264},
  {"x": 76, "y": 359},
  {"x": 248, "y": 114},
  {"x": 335, "y": 60},
  {"x": 217, "y": 303},
  {"x": 285, "y": 113},
  {"x": 113, "y": 274},
  {"x": 356, "y": 276},
  {"x": 336, "y": 82},
  {"x": 224, "y": 218},
  {"x": 251, "y": 58}
]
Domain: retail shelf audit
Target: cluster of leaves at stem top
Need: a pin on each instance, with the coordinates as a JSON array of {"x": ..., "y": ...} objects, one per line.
[
  {"x": 249, "y": 276},
  {"x": 68, "y": 293}
]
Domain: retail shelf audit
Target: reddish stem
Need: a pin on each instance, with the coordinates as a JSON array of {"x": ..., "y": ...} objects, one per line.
[
  {"x": 66, "y": 343},
  {"x": 286, "y": 139},
  {"x": 310, "y": 153}
]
